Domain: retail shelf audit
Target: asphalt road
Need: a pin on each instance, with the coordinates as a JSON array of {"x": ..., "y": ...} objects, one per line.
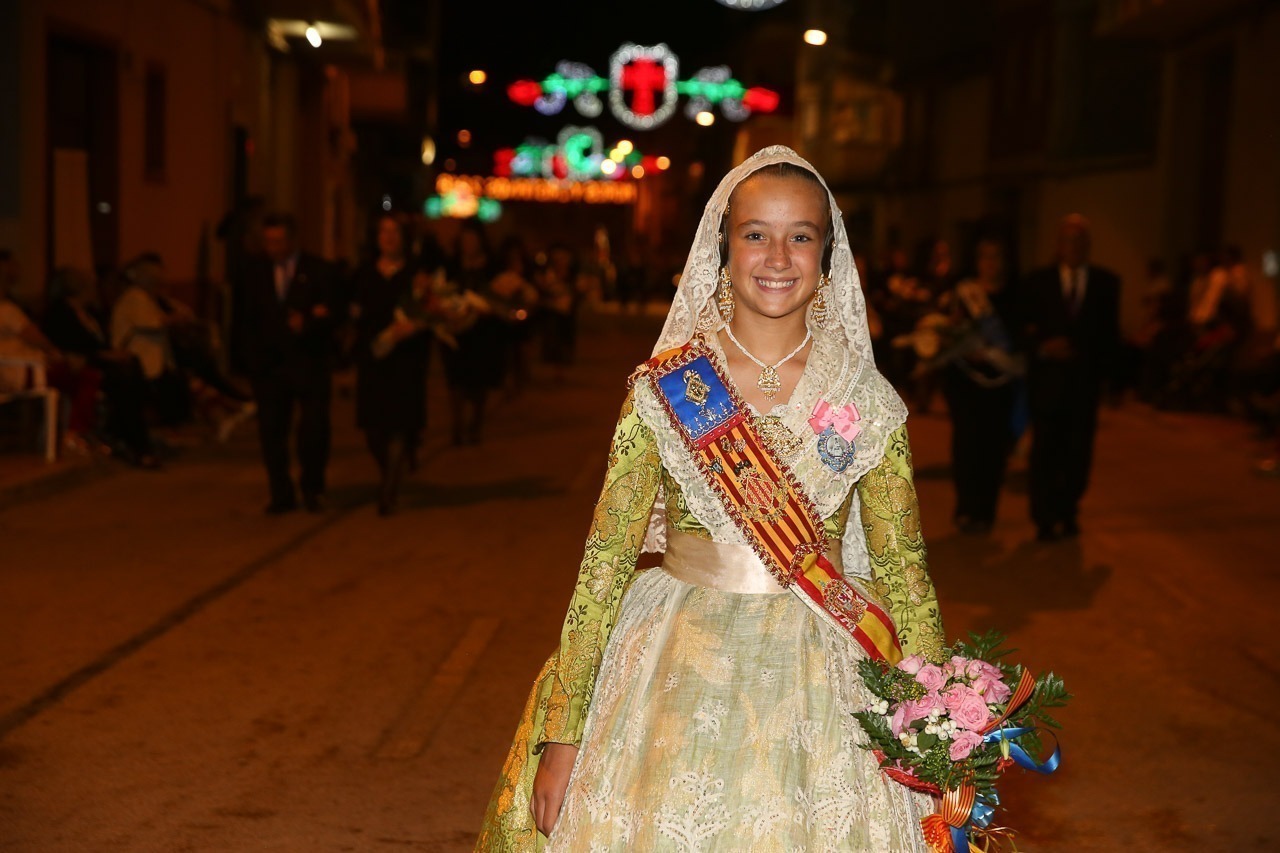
[{"x": 179, "y": 672}]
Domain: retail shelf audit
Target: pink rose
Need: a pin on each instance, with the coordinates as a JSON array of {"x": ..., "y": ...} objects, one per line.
[
  {"x": 980, "y": 668},
  {"x": 932, "y": 677},
  {"x": 970, "y": 710},
  {"x": 963, "y": 744},
  {"x": 908, "y": 712},
  {"x": 911, "y": 664},
  {"x": 953, "y": 696},
  {"x": 900, "y": 720},
  {"x": 959, "y": 664},
  {"x": 992, "y": 689},
  {"x": 935, "y": 701}
]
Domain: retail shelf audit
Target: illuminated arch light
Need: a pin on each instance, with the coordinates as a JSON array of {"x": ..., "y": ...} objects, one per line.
[
  {"x": 645, "y": 71},
  {"x": 817, "y": 38}
]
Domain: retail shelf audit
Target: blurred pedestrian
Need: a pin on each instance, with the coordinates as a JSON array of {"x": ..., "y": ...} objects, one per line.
[
  {"x": 980, "y": 380},
  {"x": 515, "y": 300},
  {"x": 287, "y": 304},
  {"x": 1071, "y": 327},
  {"x": 392, "y": 351},
  {"x": 558, "y": 306},
  {"x": 474, "y": 367}
]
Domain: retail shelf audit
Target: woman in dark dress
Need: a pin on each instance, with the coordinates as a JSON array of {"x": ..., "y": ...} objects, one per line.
[
  {"x": 392, "y": 349},
  {"x": 73, "y": 325},
  {"x": 981, "y": 379},
  {"x": 475, "y": 366}
]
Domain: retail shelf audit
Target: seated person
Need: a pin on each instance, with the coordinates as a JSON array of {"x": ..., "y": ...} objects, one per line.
[
  {"x": 72, "y": 323},
  {"x": 139, "y": 325}
]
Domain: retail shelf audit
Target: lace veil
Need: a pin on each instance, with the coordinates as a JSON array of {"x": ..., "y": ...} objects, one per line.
[
  {"x": 843, "y": 344},
  {"x": 695, "y": 297}
]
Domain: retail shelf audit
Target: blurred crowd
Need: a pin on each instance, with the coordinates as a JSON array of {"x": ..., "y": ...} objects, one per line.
[
  {"x": 963, "y": 326},
  {"x": 135, "y": 364}
]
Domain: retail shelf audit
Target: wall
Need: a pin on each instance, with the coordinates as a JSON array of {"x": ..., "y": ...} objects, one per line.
[
  {"x": 218, "y": 75},
  {"x": 189, "y": 41},
  {"x": 1252, "y": 215}
]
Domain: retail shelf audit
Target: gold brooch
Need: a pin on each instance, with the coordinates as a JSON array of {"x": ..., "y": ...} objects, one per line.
[{"x": 695, "y": 390}]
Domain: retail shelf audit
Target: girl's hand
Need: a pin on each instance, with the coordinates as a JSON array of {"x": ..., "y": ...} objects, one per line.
[{"x": 550, "y": 784}]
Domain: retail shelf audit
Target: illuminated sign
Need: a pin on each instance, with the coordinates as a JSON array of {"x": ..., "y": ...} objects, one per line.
[{"x": 539, "y": 189}]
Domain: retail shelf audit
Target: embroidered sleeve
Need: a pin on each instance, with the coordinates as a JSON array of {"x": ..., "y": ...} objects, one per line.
[
  {"x": 613, "y": 546},
  {"x": 891, "y": 519}
]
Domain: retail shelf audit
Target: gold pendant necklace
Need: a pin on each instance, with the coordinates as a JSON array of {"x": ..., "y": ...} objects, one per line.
[{"x": 769, "y": 382}]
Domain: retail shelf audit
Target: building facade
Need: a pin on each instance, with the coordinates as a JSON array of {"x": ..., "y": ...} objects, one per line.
[{"x": 139, "y": 125}]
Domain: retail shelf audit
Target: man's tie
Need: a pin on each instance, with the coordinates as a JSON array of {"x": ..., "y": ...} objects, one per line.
[
  {"x": 1077, "y": 291},
  {"x": 282, "y": 281}
]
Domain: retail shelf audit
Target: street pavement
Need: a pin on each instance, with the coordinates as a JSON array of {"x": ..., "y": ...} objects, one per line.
[{"x": 179, "y": 672}]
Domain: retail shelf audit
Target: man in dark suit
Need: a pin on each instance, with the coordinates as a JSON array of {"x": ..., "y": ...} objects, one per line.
[
  {"x": 1070, "y": 320},
  {"x": 286, "y": 312}
]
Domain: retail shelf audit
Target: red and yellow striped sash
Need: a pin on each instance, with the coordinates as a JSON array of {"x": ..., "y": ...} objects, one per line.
[{"x": 759, "y": 493}]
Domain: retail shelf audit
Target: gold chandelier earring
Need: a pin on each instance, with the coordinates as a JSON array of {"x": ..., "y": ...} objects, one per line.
[
  {"x": 724, "y": 295},
  {"x": 820, "y": 307}
]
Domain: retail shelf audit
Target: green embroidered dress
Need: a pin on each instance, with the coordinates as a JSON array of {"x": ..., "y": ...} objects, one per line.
[{"x": 713, "y": 720}]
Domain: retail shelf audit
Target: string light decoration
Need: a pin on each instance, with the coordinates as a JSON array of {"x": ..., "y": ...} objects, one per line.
[
  {"x": 460, "y": 201},
  {"x": 643, "y": 89},
  {"x": 645, "y": 72},
  {"x": 578, "y": 155}
]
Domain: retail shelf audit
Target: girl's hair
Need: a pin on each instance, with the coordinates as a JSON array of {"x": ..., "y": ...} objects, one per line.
[{"x": 783, "y": 170}]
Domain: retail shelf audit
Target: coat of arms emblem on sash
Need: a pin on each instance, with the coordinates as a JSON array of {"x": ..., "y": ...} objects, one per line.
[{"x": 762, "y": 500}]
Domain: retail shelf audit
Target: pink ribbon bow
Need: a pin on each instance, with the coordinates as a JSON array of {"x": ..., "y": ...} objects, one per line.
[{"x": 845, "y": 419}]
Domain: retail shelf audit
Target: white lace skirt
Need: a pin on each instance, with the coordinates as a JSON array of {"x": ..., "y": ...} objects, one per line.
[{"x": 722, "y": 721}]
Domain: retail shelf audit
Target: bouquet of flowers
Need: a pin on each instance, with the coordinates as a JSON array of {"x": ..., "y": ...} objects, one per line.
[
  {"x": 951, "y": 729},
  {"x": 433, "y": 304}
]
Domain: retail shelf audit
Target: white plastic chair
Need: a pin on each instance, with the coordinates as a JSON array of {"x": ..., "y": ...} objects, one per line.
[{"x": 39, "y": 390}]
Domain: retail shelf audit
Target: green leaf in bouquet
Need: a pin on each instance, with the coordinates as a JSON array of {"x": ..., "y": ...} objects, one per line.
[
  {"x": 926, "y": 741},
  {"x": 876, "y": 727}
]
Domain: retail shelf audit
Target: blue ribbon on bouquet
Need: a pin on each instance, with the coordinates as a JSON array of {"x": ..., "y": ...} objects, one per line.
[
  {"x": 1019, "y": 755},
  {"x": 984, "y": 807},
  {"x": 983, "y": 810}
]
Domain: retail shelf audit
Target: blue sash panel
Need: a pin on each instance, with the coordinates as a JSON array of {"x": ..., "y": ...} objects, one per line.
[{"x": 704, "y": 410}]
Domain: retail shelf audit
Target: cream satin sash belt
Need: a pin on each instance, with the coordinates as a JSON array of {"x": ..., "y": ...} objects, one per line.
[{"x": 729, "y": 568}]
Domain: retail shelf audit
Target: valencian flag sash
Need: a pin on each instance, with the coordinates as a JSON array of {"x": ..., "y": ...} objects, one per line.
[{"x": 761, "y": 494}]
